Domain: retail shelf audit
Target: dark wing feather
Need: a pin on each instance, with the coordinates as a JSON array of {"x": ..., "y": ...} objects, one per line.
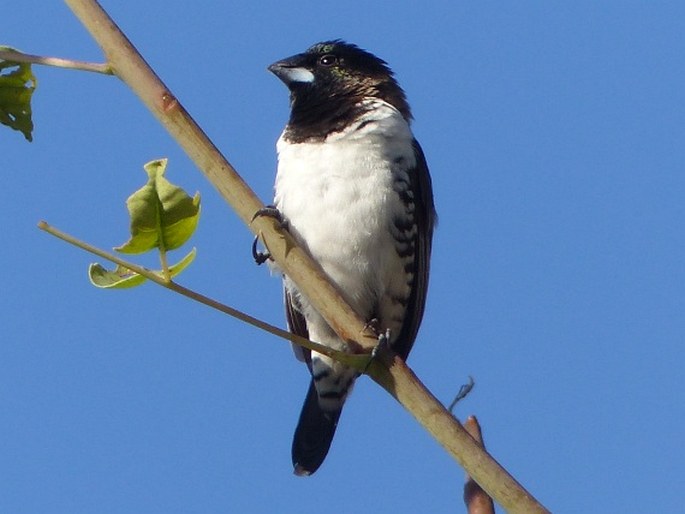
[
  {"x": 426, "y": 219},
  {"x": 297, "y": 325}
]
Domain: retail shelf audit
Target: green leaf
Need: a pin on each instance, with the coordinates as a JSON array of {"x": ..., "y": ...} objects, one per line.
[
  {"x": 119, "y": 278},
  {"x": 17, "y": 84},
  {"x": 123, "y": 278},
  {"x": 162, "y": 215}
]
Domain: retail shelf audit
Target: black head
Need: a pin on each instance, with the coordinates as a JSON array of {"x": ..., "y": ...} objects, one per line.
[{"x": 328, "y": 81}]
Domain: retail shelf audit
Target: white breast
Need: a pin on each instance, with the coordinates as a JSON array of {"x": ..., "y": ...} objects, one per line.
[{"x": 339, "y": 201}]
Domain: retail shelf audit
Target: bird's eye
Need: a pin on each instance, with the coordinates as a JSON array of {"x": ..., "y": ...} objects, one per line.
[{"x": 328, "y": 60}]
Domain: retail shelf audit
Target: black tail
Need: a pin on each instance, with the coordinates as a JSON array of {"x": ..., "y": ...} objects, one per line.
[{"x": 313, "y": 435}]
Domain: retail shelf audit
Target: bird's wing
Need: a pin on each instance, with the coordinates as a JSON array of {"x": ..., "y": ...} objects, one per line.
[
  {"x": 297, "y": 325},
  {"x": 426, "y": 219}
]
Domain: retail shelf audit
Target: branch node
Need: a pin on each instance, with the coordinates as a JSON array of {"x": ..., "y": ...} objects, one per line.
[{"x": 169, "y": 102}]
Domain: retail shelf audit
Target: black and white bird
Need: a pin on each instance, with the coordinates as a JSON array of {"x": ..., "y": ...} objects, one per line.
[{"x": 354, "y": 189}]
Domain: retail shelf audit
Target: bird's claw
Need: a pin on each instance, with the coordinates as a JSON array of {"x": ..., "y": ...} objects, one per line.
[
  {"x": 259, "y": 257},
  {"x": 272, "y": 212},
  {"x": 372, "y": 325},
  {"x": 383, "y": 342}
]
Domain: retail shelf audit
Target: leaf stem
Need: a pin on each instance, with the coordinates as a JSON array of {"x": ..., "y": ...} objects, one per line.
[
  {"x": 164, "y": 262},
  {"x": 15, "y": 56}
]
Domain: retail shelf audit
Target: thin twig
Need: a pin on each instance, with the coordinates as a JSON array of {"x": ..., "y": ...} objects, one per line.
[
  {"x": 463, "y": 392},
  {"x": 70, "y": 64},
  {"x": 356, "y": 361}
]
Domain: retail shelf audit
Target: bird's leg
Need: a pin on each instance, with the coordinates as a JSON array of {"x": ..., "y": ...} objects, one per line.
[{"x": 272, "y": 212}]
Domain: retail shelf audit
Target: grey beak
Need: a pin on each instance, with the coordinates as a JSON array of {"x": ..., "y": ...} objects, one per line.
[{"x": 290, "y": 72}]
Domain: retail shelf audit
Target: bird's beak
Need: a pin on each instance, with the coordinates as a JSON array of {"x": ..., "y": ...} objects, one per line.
[{"x": 291, "y": 71}]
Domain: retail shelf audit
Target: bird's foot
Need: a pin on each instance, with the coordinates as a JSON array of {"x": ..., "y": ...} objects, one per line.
[
  {"x": 382, "y": 344},
  {"x": 272, "y": 212}
]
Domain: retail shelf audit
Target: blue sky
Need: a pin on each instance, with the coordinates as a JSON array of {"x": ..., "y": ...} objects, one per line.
[{"x": 555, "y": 133}]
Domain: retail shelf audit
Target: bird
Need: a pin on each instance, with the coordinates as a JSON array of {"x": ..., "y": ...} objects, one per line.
[{"x": 353, "y": 188}]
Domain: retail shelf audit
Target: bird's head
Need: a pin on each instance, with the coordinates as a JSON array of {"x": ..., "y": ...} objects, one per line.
[{"x": 336, "y": 72}]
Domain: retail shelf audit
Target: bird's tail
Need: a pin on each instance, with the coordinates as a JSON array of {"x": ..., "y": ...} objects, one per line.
[{"x": 314, "y": 433}]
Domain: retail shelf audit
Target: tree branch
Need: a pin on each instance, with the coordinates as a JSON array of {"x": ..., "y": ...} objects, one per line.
[
  {"x": 387, "y": 370},
  {"x": 131, "y": 68}
]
